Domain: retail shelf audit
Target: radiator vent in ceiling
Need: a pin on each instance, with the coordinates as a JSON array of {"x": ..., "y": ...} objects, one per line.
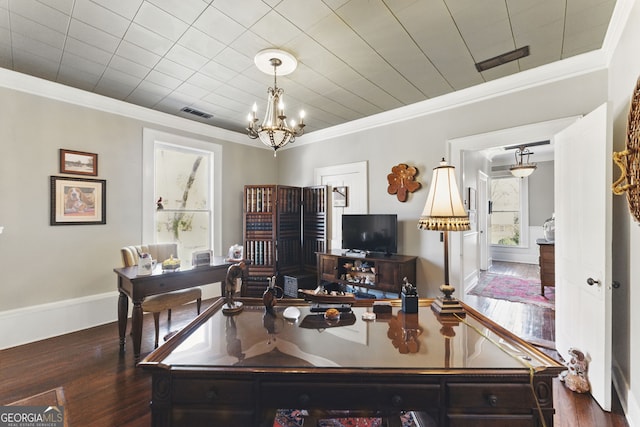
[
  {"x": 197, "y": 113},
  {"x": 502, "y": 59}
]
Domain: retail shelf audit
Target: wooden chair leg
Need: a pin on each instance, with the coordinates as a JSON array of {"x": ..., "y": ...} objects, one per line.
[
  {"x": 169, "y": 318},
  {"x": 199, "y": 304},
  {"x": 156, "y": 321}
]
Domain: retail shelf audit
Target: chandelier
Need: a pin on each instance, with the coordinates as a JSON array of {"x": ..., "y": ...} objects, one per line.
[
  {"x": 274, "y": 131},
  {"x": 522, "y": 169}
]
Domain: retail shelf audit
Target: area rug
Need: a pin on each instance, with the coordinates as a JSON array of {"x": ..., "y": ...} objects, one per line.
[{"x": 514, "y": 289}]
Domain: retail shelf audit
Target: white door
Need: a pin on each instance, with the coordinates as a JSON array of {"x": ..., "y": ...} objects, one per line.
[
  {"x": 583, "y": 246},
  {"x": 354, "y": 177},
  {"x": 483, "y": 220}
]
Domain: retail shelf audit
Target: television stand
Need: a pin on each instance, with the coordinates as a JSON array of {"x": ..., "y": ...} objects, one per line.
[{"x": 366, "y": 271}]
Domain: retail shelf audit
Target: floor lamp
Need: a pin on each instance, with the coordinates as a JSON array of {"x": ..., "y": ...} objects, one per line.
[{"x": 445, "y": 212}]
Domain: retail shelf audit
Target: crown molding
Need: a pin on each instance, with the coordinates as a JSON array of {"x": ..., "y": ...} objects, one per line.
[
  {"x": 560, "y": 70},
  {"x": 59, "y": 92},
  {"x": 550, "y": 73}
]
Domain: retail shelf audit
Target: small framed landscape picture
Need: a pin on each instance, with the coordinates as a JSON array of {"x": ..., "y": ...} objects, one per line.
[
  {"x": 78, "y": 201},
  {"x": 78, "y": 162}
]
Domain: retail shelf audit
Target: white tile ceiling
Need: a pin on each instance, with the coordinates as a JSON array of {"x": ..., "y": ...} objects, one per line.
[{"x": 356, "y": 57}]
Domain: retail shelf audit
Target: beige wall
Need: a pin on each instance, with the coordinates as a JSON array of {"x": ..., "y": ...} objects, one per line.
[{"x": 43, "y": 263}]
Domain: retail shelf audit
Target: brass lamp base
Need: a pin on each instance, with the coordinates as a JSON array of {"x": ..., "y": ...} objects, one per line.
[{"x": 447, "y": 307}]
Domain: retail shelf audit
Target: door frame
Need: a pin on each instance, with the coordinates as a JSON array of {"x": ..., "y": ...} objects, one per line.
[
  {"x": 357, "y": 174},
  {"x": 455, "y": 149},
  {"x": 483, "y": 221}
]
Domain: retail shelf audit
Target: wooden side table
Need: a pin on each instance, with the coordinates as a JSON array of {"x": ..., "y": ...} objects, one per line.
[{"x": 547, "y": 263}]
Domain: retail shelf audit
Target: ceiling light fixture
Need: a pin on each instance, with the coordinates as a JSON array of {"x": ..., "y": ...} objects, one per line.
[
  {"x": 274, "y": 131},
  {"x": 521, "y": 169}
]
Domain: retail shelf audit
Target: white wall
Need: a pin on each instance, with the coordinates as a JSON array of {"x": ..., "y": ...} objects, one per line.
[{"x": 623, "y": 73}]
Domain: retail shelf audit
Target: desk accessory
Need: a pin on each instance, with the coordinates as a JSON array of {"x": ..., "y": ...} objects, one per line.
[{"x": 200, "y": 258}]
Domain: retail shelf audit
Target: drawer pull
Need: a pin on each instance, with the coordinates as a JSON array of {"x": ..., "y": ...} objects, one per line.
[
  {"x": 304, "y": 399},
  {"x": 493, "y": 400},
  {"x": 396, "y": 401},
  {"x": 212, "y": 394}
]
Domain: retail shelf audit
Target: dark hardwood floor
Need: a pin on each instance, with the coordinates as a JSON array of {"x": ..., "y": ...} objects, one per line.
[{"x": 101, "y": 388}]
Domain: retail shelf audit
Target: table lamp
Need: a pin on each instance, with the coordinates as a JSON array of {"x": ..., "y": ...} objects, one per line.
[{"x": 444, "y": 212}]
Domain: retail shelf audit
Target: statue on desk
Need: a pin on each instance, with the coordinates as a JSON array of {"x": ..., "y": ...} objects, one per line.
[
  {"x": 269, "y": 297},
  {"x": 235, "y": 272}
]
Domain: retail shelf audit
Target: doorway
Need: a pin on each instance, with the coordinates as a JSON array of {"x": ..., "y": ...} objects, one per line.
[{"x": 473, "y": 157}]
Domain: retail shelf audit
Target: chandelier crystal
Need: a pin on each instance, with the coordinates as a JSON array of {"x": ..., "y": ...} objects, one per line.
[{"x": 275, "y": 131}]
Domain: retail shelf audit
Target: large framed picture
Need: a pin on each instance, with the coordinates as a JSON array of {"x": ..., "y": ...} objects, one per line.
[
  {"x": 78, "y": 162},
  {"x": 78, "y": 201}
]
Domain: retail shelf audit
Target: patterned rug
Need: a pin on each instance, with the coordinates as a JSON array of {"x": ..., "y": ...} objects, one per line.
[{"x": 514, "y": 289}]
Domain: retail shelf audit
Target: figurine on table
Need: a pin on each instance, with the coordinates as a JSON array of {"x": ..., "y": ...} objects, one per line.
[
  {"x": 269, "y": 297},
  {"x": 408, "y": 288},
  {"x": 235, "y": 272}
]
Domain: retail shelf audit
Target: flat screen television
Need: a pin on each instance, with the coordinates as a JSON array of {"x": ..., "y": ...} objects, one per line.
[{"x": 370, "y": 233}]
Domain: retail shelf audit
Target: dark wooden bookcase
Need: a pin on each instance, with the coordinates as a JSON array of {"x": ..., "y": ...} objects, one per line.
[{"x": 284, "y": 227}]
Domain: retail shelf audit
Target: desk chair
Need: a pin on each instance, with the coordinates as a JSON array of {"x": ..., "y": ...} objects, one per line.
[{"x": 158, "y": 303}]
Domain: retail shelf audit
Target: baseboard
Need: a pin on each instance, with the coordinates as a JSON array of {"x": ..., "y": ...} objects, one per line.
[
  {"x": 628, "y": 400},
  {"x": 633, "y": 410},
  {"x": 57, "y": 318},
  {"x": 470, "y": 281},
  {"x": 48, "y": 320}
]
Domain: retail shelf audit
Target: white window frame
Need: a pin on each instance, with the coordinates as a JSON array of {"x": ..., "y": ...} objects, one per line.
[
  {"x": 524, "y": 211},
  {"x": 151, "y": 137}
]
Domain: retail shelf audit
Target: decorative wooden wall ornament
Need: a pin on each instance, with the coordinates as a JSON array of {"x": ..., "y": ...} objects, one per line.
[
  {"x": 629, "y": 159},
  {"x": 402, "y": 181}
]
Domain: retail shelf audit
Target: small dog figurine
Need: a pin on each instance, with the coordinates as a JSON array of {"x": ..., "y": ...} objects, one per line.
[{"x": 575, "y": 377}]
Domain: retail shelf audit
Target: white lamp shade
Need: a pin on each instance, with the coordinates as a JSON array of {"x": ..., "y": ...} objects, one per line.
[{"x": 444, "y": 210}]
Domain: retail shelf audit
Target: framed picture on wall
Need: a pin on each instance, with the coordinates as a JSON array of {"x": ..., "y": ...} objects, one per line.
[
  {"x": 471, "y": 199},
  {"x": 78, "y": 162},
  {"x": 78, "y": 201},
  {"x": 340, "y": 197}
]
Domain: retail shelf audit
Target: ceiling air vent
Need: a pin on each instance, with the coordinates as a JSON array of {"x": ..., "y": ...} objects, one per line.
[
  {"x": 197, "y": 113},
  {"x": 502, "y": 59}
]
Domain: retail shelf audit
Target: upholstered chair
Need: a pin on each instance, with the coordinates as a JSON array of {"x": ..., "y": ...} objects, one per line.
[{"x": 158, "y": 303}]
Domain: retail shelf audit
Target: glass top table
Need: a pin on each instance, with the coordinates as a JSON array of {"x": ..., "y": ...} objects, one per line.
[
  {"x": 256, "y": 338},
  {"x": 288, "y": 363}
]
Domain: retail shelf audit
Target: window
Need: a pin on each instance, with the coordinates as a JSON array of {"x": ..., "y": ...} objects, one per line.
[
  {"x": 179, "y": 191},
  {"x": 509, "y": 219},
  {"x": 182, "y": 192}
]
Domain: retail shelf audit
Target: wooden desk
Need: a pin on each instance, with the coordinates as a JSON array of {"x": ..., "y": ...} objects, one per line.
[
  {"x": 237, "y": 370},
  {"x": 130, "y": 285}
]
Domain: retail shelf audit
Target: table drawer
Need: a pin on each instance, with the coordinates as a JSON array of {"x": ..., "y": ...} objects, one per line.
[
  {"x": 489, "y": 396},
  {"x": 351, "y": 396},
  {"x": 189, "y": 417},
  {"x": 490, "y": 421},
  {"x": 223, "y": 393},
  {"x": 409, "y": 396}
]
